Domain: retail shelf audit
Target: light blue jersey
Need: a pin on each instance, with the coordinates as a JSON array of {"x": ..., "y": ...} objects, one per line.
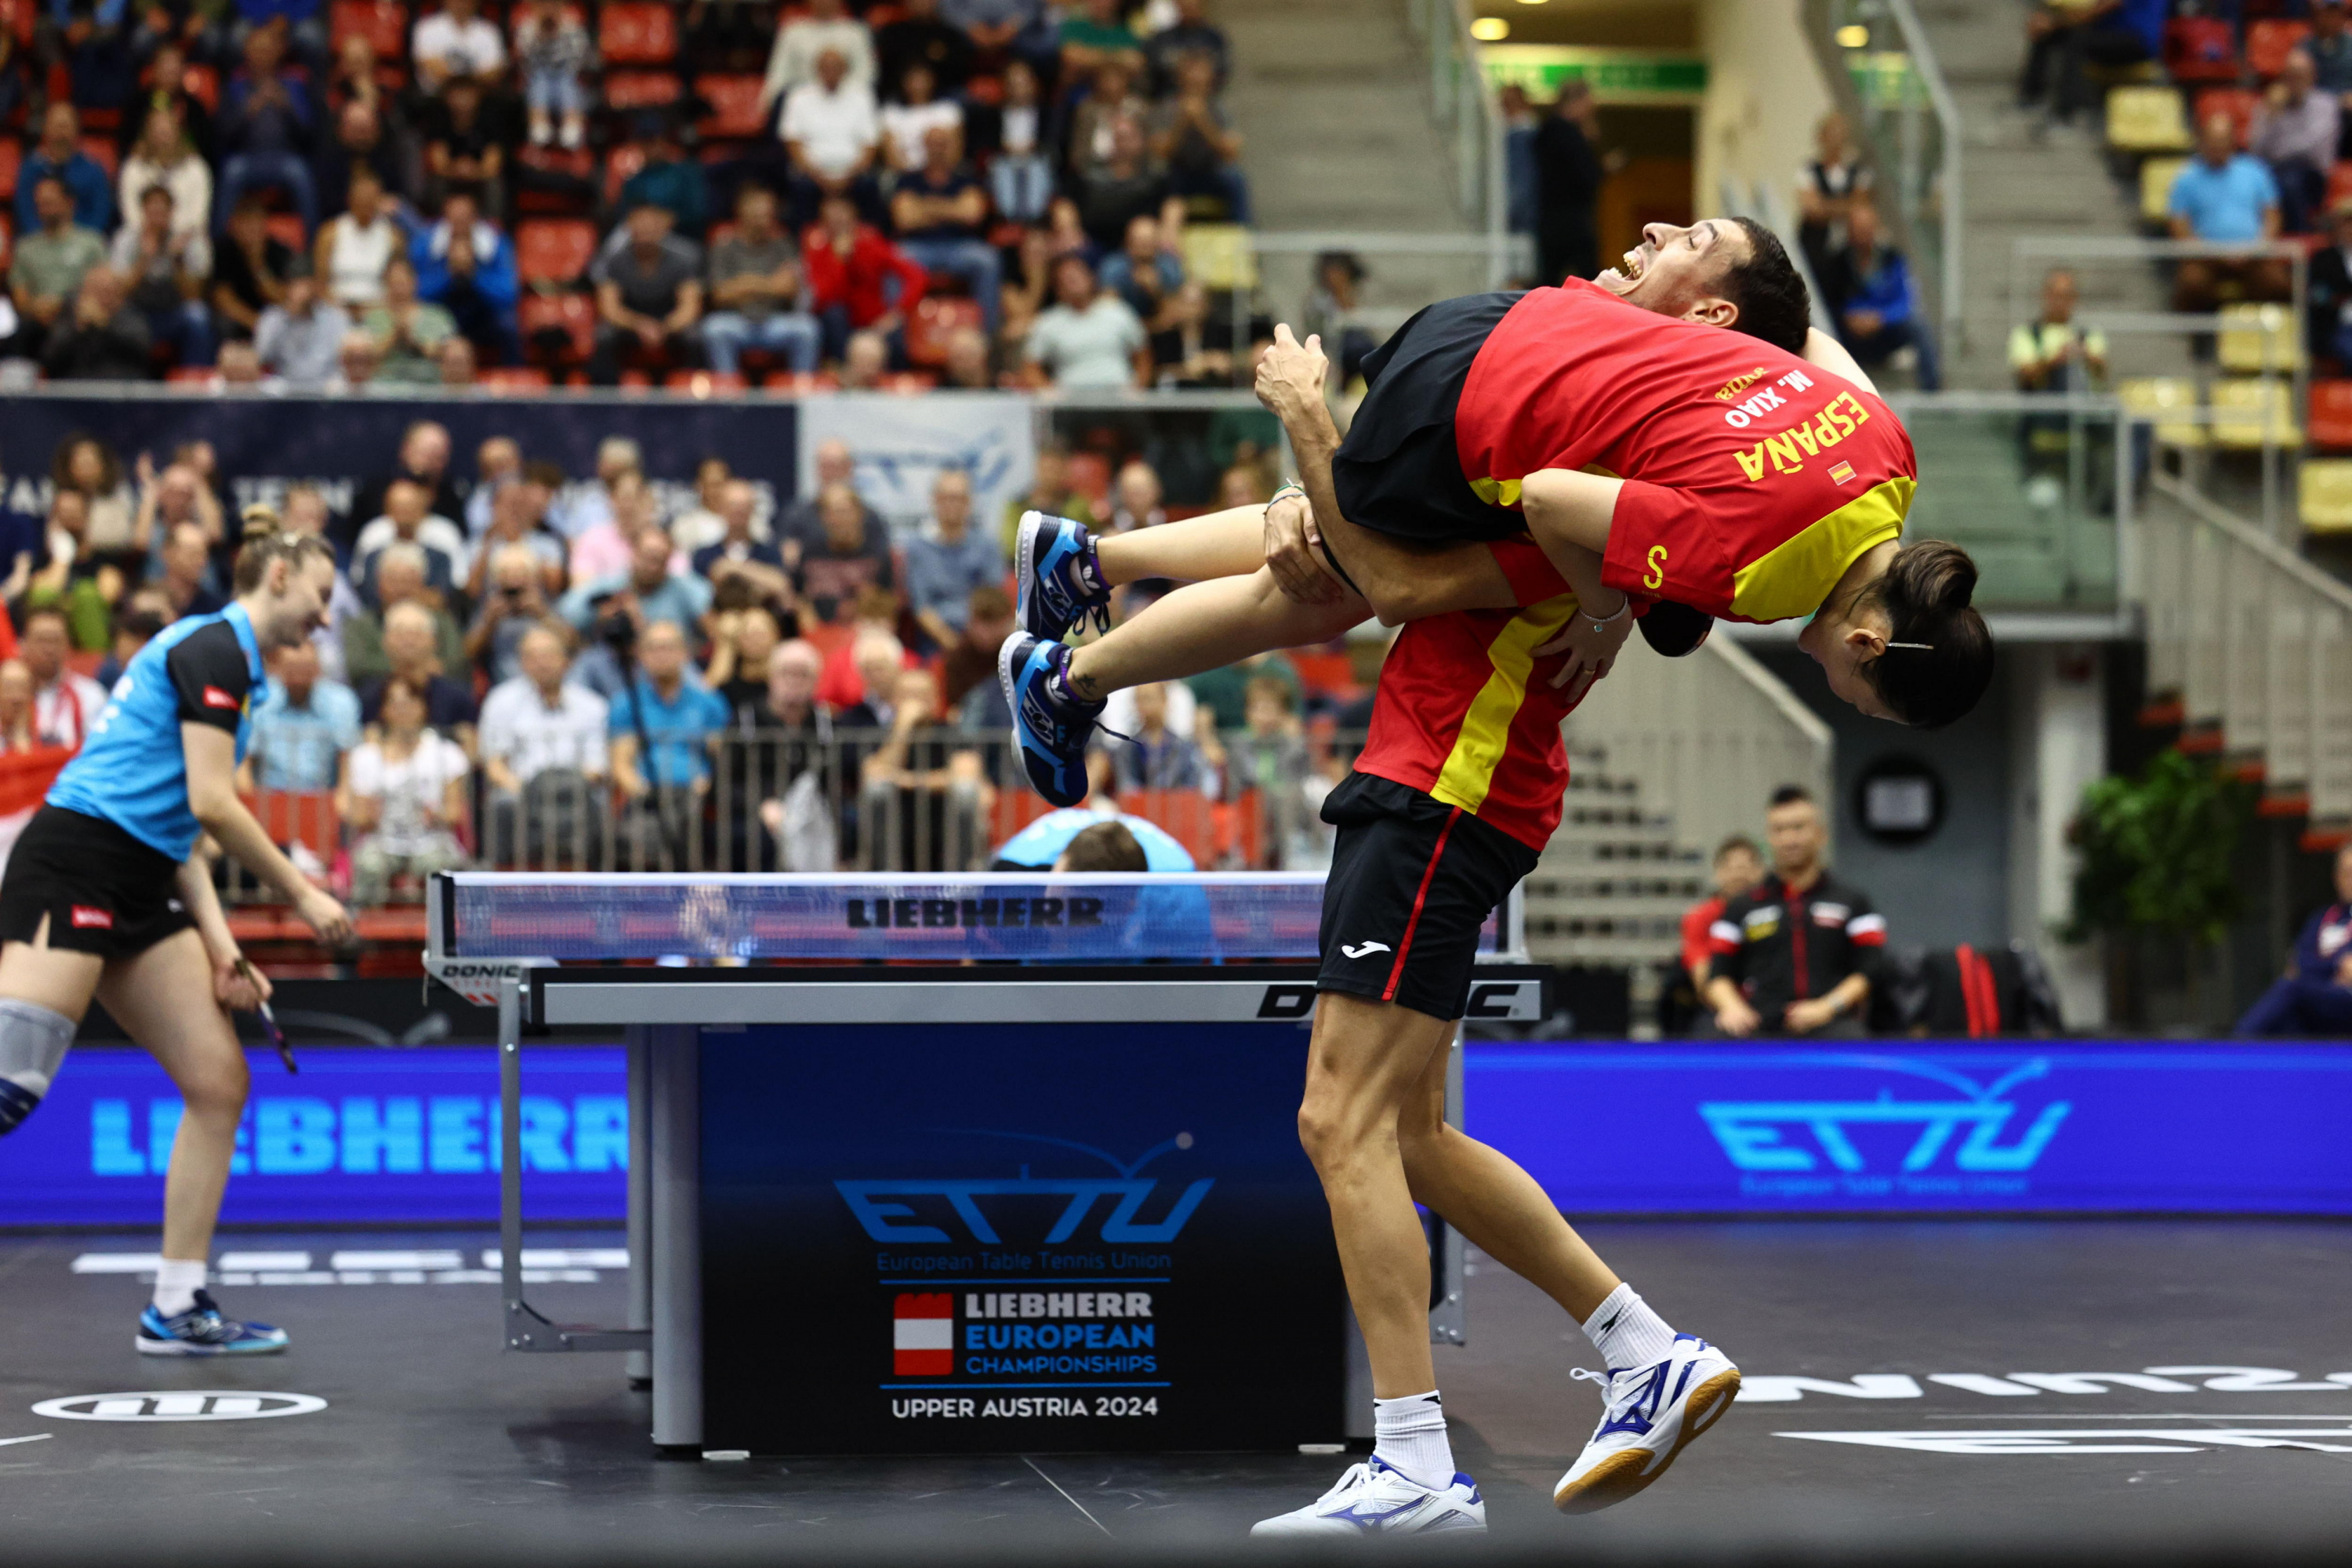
[{"x": 133, "y": 770}]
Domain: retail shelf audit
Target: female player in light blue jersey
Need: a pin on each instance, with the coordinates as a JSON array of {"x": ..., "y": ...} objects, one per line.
[{"x": 101, "y": 899}]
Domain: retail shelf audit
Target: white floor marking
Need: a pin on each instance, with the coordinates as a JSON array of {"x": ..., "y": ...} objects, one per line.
[{"x": 1066, "y": 1497}]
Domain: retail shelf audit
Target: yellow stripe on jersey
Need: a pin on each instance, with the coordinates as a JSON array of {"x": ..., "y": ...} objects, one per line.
[
  {"x": 1485, "y": 732},
  {"x": 1798, "y": 575}
]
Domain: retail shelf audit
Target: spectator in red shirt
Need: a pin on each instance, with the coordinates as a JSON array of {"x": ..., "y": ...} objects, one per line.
[
  {"x": 1738, "y": 866},
  {"x": 849, "y": 266}
]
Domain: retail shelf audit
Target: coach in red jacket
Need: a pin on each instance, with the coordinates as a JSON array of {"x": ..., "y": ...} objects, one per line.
[{"x": 849, "y": 264}]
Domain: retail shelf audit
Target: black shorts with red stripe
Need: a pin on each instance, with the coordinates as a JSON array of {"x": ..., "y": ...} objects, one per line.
[{"x": 1412, "y": 882}]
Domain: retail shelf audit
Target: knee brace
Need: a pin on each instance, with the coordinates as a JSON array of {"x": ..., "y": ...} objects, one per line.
[{"x": 32, "y": 1043}]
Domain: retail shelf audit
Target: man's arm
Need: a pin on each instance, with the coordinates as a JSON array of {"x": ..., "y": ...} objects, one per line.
[{"x": 1826, "y": 351}]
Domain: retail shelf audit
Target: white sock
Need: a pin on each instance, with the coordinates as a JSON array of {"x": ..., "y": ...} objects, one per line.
[
  {"x": 177, "y": 1280},
  {"x": 1409, "y": 1437},
  {"x": 1627, "y": 1332}
]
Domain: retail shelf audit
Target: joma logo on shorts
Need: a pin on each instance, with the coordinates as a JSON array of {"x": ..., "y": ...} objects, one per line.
[{"x": 86, "y": 917}]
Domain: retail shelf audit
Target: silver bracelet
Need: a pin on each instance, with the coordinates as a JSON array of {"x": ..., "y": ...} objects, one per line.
[{"x": 1625, "y": 608}]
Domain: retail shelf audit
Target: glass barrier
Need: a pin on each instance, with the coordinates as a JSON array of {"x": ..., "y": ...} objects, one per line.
[
  {"x": 2035, "y": 488},
  {"x": 1909, "y": 124}
]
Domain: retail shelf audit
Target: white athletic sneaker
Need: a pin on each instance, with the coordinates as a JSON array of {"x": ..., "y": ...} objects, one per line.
[
  {"x": 1374, "y": 1499},
  {"x": 1650, "y": 1413}
]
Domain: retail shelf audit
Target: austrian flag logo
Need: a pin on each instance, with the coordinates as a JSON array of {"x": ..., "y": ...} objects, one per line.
[
  {"x": 922, "y": 1335},
  {"x": 217, "y": 697}
]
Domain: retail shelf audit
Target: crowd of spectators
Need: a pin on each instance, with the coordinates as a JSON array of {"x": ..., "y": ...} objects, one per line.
[
  {"x": 325, "y": 196},
  {"x": 522, "y": 669}
]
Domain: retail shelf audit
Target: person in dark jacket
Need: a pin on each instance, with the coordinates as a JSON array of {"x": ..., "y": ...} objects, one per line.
[
  {"x": 103, "y": 338},
  {"x": 2330, "y": 291},
  {"x": 1569, "y": 173},
  {"x": 2315, "y": 996},
  {"x": 1793, "y": 955}
]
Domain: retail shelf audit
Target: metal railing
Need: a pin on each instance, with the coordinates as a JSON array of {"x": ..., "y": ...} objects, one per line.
[
  {"x": 810, "y": 801},
  {"x": 2253, "y": 642},
  {"x": 1911, "y": 124},
  {"x": 1464, "y": 106}
]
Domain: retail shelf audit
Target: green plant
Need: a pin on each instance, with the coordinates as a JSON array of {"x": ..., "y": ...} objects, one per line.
[{"x": 2156, "y": 850}]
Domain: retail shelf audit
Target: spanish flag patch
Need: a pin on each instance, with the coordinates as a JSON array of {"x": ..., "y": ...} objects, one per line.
[{"x": 1842, "y": 472}]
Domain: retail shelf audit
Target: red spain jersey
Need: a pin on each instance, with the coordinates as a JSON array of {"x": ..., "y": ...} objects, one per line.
[
  {"x": 1754, "y": 479},
  {"x": 1463, "y": 714}
]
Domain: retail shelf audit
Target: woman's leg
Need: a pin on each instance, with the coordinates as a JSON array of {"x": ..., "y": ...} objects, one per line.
[
  {"x": 1205, "y": 626},
  {"x": 42, "y": 994},
  {"x": 164, "y": 999},
  {"x": 1229, "y": 543}
]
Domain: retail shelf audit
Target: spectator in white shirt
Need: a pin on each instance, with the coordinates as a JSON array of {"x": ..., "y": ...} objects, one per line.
[
  {"x": 457, "y": 40},
  {"x": 909, "y": 117},
  {"x": 543, "y": 738},
  {"x": 800, "y": 44},
  {"x": 405, "y": 794},
  {"x": 831, "y": 131},
  {"x": 406, "y": 519},
  {"x": 65, "y": 703}
]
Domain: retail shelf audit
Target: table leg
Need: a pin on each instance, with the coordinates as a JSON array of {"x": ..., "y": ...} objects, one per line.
[
  {"x": 641, "y": 1181},
  {"x": 677, "y": 1245}
]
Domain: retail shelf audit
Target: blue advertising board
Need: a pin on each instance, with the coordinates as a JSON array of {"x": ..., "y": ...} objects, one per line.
[
  {"x": 1912, "y": 1127},
  {"x": 360, "y": 1136},
  {"x": 1011, "y": 1238},
  {"x": 1923, "y": 1127}
]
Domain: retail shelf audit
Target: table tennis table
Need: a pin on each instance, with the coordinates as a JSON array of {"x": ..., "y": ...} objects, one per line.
[{"x": 989, "y": 1162}]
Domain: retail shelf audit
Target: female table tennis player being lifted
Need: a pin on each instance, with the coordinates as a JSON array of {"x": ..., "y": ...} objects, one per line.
[{"x": 1662, "y": 467}]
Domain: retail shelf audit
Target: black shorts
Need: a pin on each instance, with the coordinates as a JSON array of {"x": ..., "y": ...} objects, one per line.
[
  {"x": 1412, "y": 882},
  {"x": 1398, "y": 472},
  {"x": 100, "y": 890}
]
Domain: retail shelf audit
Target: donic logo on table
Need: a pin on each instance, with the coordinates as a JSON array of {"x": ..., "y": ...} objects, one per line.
[
  {"x": 1126, "y": 1207},
  {"x": 1971, "y": 1123}
]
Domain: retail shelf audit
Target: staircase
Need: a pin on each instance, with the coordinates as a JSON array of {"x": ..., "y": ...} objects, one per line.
[
  {"x": 1334, "y": 100},
  {"x": 2024, "y": 179}
]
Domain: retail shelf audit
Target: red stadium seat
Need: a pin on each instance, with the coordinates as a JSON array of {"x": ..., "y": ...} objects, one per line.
[
  {"x": 191, "y": 374},
  {"x": 2339, "y": 185},
  {"x": 553, "y": 251},
  {"x": 103, "y": 152},
  {"x": 2268, "y": 44},
  {"x": 734, "y": 105},
  {"x": 633, "y": 33},
  {"x": 2199, "y": 48},
  {"x": 935, "y": 320},
  {"x": 20, "y": 17},
  {"x": 384, "y": 23},
  {"x": 287, "y": 229},
  {"x": 641, "y": 90},
  {"x": 1015, "y": 809},
  {"x": 12, "y": 158},
  {"x": 203, "y": 83},
  {"x": 2239, "y": 103},
  {"x": 546, "y": 317},
  {"x": 299, "y": 816},
  {"x": 619, "y": 164},
  {"x": 2331, "y": 414}
]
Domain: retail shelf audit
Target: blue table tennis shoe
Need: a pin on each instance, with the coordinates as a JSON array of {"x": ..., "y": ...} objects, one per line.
[
  {"x": 202, "y": 1331},
  {"x": 1059, "y": 582},
  {"x": 1051, "y": 725}
]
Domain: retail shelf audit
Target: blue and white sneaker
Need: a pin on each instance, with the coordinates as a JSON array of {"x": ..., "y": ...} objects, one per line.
[
  {"x": 1051, "y": 726},
  {"x": 1372, "y": 1499},
  {"x": 202, "y": 1331},
  {"x": 1650, "y": 1413},
  {"x": 1060, "y": 582}
]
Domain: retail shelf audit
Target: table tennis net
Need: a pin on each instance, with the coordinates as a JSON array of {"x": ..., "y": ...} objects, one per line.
[{"x": 1100, "y": 919}]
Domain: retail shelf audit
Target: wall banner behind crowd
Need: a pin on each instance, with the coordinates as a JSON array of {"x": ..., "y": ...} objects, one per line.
[
  {"x": 342, "y": 443},
  {"x": 1920, "y": 1128},
  {"x": 902, "y": 443}
]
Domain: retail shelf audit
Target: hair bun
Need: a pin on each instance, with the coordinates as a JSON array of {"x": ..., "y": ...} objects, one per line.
[
  {"x": 1933, "y": 576},
  {"x": 260, "y": 520}
]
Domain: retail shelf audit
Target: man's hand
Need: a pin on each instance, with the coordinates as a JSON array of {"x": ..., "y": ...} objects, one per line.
[
  {"x": 1863, "y": 322},
  {"x": 1292, "y": 553},
  {"x": 1812, "y": 1013},
  {"x": 1737, "y": 1018},
  {"x": 1290, "y": 377}
]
